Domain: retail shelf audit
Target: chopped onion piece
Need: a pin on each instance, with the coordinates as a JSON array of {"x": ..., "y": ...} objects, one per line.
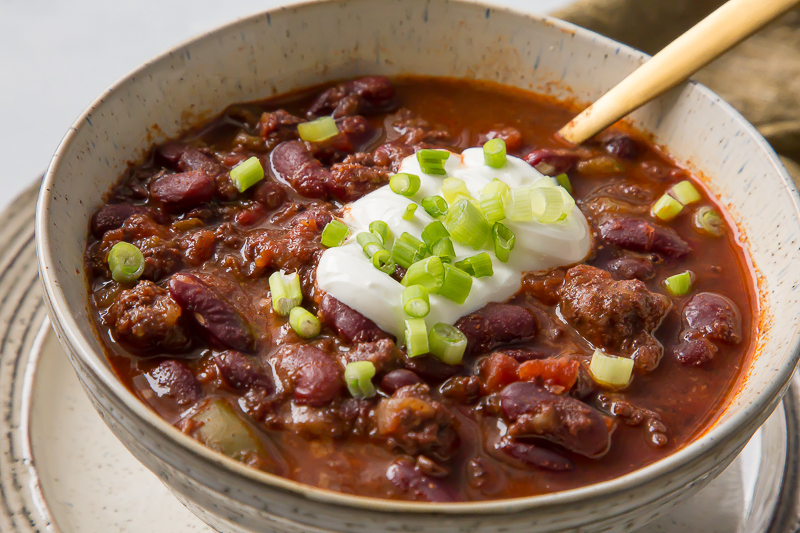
[
  {"x": 428, "y": 272},
  {"x": 477, "y": 266},
  {"x": 247, "y": 173},
  {"x": 547, "y": 204},
  {"x": 383, "y": 261},
  {"x": 433, "y": 232},
  {"x": 334, "y": 233},
  {"x": 317, "y": 130},
  {"x": 706, "y": 220},
  {"x": 520, "y": 208},
  {"x": 453, "y": 189},
  {"x": 679, "y": 284},
  {"x": 416, "y": 302},
  {"x": 494, "y": 199},
  {"x": 610, "y": 371},
  {"x": 404, "y": 184},
  {"x": 381, "y": 229},
  {"x": 432, "y": 161},
  {"x": 494, "y": 153},
  {"x": 126, "y": 262},
  {"x": 409, "y": 212},
  {"x": 285, "y": 292},
  {"x": 358, "y": 377},
  {"x": 447, "y": 343},
  {"x": 685, "y": 192},
  {"x": 456, "y": 285},
  {"x": 435, "y": 206},
  {"x": 666, "y": 208},
  {"x": 416, "y": 337},
  {"x": 466, "y": 224},
  {"x": 304, "y": 323},
  {"x": 504, "y": 240}
]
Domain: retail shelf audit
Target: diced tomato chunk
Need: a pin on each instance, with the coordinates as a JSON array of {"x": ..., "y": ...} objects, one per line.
[
  {"x": 497, "y": 371},
  {"x": 556, "y": 375}
]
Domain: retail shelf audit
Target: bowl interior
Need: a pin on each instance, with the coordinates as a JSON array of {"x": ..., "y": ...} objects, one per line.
[{"x": 304, "y": 45}]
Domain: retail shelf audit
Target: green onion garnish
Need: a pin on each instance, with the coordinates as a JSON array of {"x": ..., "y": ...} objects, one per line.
[
  {"x": 477, "y": 266},
  {"x": 358, "y": 376},
  {"x": 383, "y": 261},
  {"x": 447, "y": 343},
  {"x": 685, "y": 192},
  {"x": 457, "y": 284},
  {"x": 432, "y": 161},
  {"x": 443, "y": 248},
  {"x": 613, "y": 372},
  {"x": 435, "y": 206},
  {"x": 369, "y": 242},
  {"x": 504, "y": 240},
  {"x": 304, "y": 323},
  {"x": 408, "y": 214},
  {"x": 407, "y": 250},
  {"x": 126, "y": 262},
  {"x": 453, "y": 189},
  {"x": 317, "y": 130},
  {"x": 466, "y": 224},
  {"x": 285, "y": 291},
  {"x": 416, "y": 302},
  {"x": 563, "y": 180},
  {"x": 706, "y": 220},
  {"x": 334, "y": 233},
  {"x": 433, "y": 232},
  {"x": 428, "y": 272},
  {"x": 404, "y": 184},
  {"x": 247, "y": 173},
  {"x": 519, "y": 208},
  {"x": 381, "y": 229},
  {"x": 666, "y": 208},
  {"x": 416, "y": 337},
  {"x": 494, "y": 199},
  {"x": 494, "y": 153},
  {"x": 679, "y": 284},
  {"x": 547, "y": 204}
]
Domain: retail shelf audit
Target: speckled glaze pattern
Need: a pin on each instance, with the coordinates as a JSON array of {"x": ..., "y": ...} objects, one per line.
[{"x": 297, "y": 46}]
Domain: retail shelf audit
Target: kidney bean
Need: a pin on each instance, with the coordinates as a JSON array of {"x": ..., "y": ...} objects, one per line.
[
  {"x": 520, "y": 355},
  {"x": 269, "y": 194},
  {"x": 536, "y": 412},
  {"x": 113, "y": 216},
  {"x": 241, "y": 372},
  {"x": 551, "y": 162},
  {"x": 170, "y": 154},
  {"x": 377, "y": 90},
  {"x": 348, "y": 322},
  {"x": 293, "y": 164},
  {"x": 365, "y": 95},
  {"x": 183, "y": 191},
  {"x": 497, "y": 324},
  {"x": 431, "y": 368},
  {"x": 212, "y": 312},
  {"x": 413, "y": 483},
  {"x": 640, "y": 235},
  {"x": 621, "y": 146},
  {"x": 314, "y": 377},
  {"x": 251, "y": 216},
  {"x": 397, "y": 379},
  {"x": 355, "y": 130},
  {"x": 174, "y": 379},
  {"x": 462, "y": 389},
  {"x": 632, "y": 268},
  {"x": 714, "y": 316},
  {"x": 695, "y": 351},
  {"x": 531, "y": 455}
]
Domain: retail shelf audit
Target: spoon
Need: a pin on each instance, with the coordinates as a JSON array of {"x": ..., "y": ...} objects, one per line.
[{"x": 730, "y": 24}]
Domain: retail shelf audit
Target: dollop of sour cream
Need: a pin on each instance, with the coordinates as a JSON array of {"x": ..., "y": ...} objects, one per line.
[{"x": 348, "y": 275}]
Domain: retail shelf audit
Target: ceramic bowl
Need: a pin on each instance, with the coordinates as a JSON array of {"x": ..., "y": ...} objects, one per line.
[{"x": 293, "y": 47}]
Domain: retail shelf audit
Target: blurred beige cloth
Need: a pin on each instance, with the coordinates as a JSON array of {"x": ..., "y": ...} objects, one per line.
[{"x": 760, "y": 77}]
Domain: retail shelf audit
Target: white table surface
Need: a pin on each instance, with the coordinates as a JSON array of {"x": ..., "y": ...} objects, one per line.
[{"x": 57, "y": 56}]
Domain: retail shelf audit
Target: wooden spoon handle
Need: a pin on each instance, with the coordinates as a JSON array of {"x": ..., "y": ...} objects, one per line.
[{"x": 711, "y": 37}]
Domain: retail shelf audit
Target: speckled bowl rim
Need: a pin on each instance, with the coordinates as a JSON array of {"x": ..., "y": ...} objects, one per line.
[{"x": 720, "y": 431}]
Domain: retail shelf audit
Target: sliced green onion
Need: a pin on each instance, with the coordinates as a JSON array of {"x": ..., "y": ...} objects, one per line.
[
  {"x": 369, "y": 242},
  {"x": 416, "y": 337},
  {"x": 447, "y": 343},
  {"x": 504, "y": 240},
  {"x": 679, "y": 284},
  {"x": 247, "y": 173},
  {"x": 358, "y": 376},
  {"x": 433, "y": 232},
  {"x": 285, "y": 291},
  {"x": 407, "y": 250},
  {"x": 443, "y": 248},
  {"x": 457, "y": 284},
  {"x": 334, "y": 233},
  {"x": 428, "y": 272},
  {"x": 416, "y": 302},
  {"x": 563, "y": 180},
  {"x": 547, "y": 204},
  {"x": 126, "y": 262},
  {"x": 432, "y": 161},
  {"x": 466, "y": 224},
  {"x": 519, "y": 208},
  {"x": 304, "y": 323},
  {"x": 404, "y": 184},
  {"x": 611, "y": 371},
  {"x": 494, "y": 153},
  {"x": 453, "y": 189},
  {"x": 477, "y": 266},
  {"x": 666, "y": 208},
  {"x": 706, "y": 220},
  {"x": 435, "y": 206},
  {"x": 569, "y": 203},
  {"x": 383, "y": 261},
  {"x": 408, "y": 214},
  {"x": 685, "y": 192},
  {"x": 494, "y": 199},
  {"x": 317, "y": 130},
  {"x": 381, "y": 229}
]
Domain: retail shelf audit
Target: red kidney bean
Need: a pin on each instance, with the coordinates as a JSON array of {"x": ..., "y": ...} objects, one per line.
[
  {"x": 269, "y": 194},
  {"x": 714, "y": 316},
  {"x": 497, "y": 324},
  {"x": 365, "y": 95},
  {"x": 551, "y": 162},
  {"x": 113, "y": 216},
  {"x": 531, "y": 455},
  {"x": 397, "y": 379},
  {"x": 431, "y": 368},
  {"x": 536, "y": 412},
  {"x": 462, "y": 389},
  {"x": 183, "y": 191},
  {"x": 416, "y": 485},
  {"x": 348, "y": 322},
  {"x": 212, "y": 312},
  {"x": 632, "y": 268},
  {"x": 241, "y": 372},
  {"x": 640, "y": 235},
  {"x": 170, "y": 154},
  {"x": 621, "y": 146},
  {"x": 377, "y": 90},
  {"x": 315, "y": 377},
  {"x": 251, "y": 216},
  {"x": 520, "y": 355},
  {"x": 695, "y": 351},
  {"x": 174, "y": 379},
  {"x": 293, "y": 164}
]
